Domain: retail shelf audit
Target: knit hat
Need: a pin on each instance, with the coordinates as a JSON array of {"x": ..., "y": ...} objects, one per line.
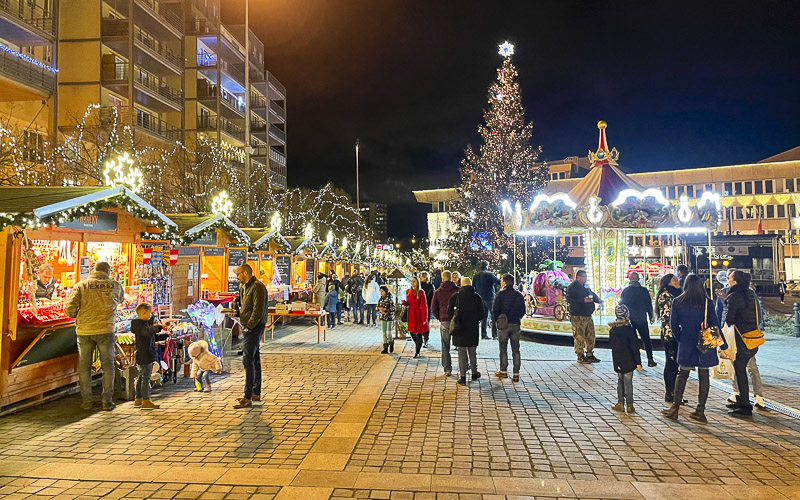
[{"x": 622, "y": 312}]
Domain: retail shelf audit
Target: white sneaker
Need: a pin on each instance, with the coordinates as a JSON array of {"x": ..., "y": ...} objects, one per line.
[
  {"x": 760, "y": 402},
  {"x": 732, "y": 399}
]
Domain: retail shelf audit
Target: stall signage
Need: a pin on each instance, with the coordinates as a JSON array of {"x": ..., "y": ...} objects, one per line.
[
  {"x": 266, "y": 257},
  {"x": 188, "y": 251},
  {"x": 310, "y": 271},
  {"x": 236, "y": 258},
  {"x": 283, "y": 263},
  {"x": 252, "y": 257},
  {"x": 214, "y": 252},
  {"x": 209, "y": 239},
  {"x": 157, "y": 257},
  {"x": 85, "y": 268},
  {"x": 101, "y": 221}
]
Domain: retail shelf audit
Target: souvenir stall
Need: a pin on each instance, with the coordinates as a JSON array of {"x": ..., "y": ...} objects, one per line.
[
  {"x": 269, "y": 248},
  {"x": 302, "y": 266},
  {"x": 52, "y": 238},
  {"x": 606, "y": 207},
  {"x": 210, "y": 248},
  {"x": 327, "y": 258}
]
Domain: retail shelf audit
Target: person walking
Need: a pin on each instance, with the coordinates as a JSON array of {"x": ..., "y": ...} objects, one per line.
[
  {"x": 470, "y": 309},
  {"x": 253, "y": 316},
  {"x": 742, "y": 313},
  {"x": 640, "y": 304},
  {"x": 625, "y": 355},
  {"x": 93, "y": 303},
  {"x": 386, "y": 309},
  {"x": 782, "y": 290},
  {"x": 337, "y": 284},
  {"x": 508, "y": 310},
  {"x": 668, "y": 290},
  {"x": 417, "y": 305},
  {"x": 581, "y": 300},
  {"x": 485, "y": 283},
  {"x": 320, "y": 292},
  {"x": 439, "y": 309},
  {"x": 371, "y": 294},
  {"x": 356, "y": 298},
  {"x": 427, "y": 287},
  {"x": 692, "y": 312}
]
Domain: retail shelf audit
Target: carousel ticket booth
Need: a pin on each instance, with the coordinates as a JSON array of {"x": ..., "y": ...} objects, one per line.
[
  {"x": 52, "y": 238},
  {"x": 607, "y": 208}
]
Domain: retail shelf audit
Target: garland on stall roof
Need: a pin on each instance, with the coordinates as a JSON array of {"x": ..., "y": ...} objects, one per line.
[
  {"x": 278, "y": 238},
  {"x": 121, "y": 200},
  {"x": 241, "y": 237}
]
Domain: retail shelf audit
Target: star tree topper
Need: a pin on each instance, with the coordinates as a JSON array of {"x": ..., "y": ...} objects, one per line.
[{"x": 506, "y": 49}]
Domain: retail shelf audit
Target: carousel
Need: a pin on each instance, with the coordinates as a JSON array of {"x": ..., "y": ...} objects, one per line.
[{"x": 608, "y": 209}]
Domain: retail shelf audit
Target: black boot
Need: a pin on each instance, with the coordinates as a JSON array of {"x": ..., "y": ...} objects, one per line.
[
  {"x": 391, "y": 346},
  {"x": 699, "y": 414},
  {"x": 743, "y": 408},
  {"x": 671, "y": 413},
  {"x": 385, "y": 349}
]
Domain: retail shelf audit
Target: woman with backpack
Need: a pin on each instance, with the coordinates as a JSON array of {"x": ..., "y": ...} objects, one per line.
[{"x": 692, "y": 313}]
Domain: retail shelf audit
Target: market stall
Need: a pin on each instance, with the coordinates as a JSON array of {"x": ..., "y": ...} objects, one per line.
[
  {"x": 301, "y": 265},
  {"x": 52, "y": 238},
  {"x": 210, "y": 248},
  {"x": 274, "y": 259}
]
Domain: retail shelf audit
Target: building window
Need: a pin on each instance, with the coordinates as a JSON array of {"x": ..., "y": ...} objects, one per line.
[
  {"x": 748, "y": 188},
  {"x": 737, "y": 188},
  {"x": 728, "y": 189},
  {"x": 790, "y": 185},
  {"x": 758, "y": 187},
  {"x": 690, "y": 191},
  {"x": 781, "y": 211},
  {"x": 768, "y": 188},
  {"x": 770, "y": 211},
  {"x": 737, "y": 213}
]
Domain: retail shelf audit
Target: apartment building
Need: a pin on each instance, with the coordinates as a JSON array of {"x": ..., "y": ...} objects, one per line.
[
  {"x": 27, "y": 69},
  {"x": 230, "y": 97},
  {"x": 377, "y": 219}
]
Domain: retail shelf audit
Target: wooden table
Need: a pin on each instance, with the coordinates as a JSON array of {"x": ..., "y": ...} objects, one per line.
[{"x": 316, "y": 317}]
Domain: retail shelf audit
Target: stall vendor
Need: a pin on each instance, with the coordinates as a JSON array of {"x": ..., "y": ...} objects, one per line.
[{"x": 46, "y": 285}]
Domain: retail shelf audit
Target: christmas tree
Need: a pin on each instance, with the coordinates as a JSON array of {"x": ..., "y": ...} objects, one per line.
[{"x": 504, "y": 169}]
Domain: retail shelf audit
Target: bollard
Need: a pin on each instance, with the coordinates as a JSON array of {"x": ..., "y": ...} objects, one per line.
[{"x": 796, "y": 308}]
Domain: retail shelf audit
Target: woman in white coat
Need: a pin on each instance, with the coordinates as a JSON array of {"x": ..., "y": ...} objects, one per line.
[
  {"x": 371, "y": 294},
  {"x": 320, "y": 291}
]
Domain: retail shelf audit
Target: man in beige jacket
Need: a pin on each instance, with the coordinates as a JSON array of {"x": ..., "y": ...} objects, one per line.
[{"x": 93, "y": 303}]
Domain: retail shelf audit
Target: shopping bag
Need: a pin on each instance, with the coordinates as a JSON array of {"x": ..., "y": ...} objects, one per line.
[{"x": 723, "y": 371}]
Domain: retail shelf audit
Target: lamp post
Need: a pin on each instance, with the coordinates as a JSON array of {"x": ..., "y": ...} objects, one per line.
[{"x": 358, "y": 201}]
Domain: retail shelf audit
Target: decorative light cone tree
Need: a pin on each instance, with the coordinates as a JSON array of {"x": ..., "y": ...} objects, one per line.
[{"x": 503, "y": 168}]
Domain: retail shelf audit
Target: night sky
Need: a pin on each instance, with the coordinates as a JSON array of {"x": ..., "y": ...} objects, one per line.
[{"x": 680, "y": 84}]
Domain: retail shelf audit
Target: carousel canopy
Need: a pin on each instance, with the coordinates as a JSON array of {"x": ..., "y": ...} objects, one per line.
[{"x": 604, "y": 180}]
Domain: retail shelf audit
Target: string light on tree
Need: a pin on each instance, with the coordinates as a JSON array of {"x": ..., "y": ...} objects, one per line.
[
  {"x": 309, "y": 231},
  {"x": 329, "y": 238},
  {"x": 275, "y": 222}
]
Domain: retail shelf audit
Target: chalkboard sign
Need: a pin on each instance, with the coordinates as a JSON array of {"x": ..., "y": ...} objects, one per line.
[
  {"x": 284, "y": 265},
  {"x": 310, "y": 272},
  {"x": 236, "y": 258}
]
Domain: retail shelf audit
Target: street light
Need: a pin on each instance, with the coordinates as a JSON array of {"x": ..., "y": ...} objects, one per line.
[{"x": 358, "y": 201}]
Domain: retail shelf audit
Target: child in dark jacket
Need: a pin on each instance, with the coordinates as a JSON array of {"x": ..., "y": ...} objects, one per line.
[
  {"x": 626, "y": 357},
  {"x": 146, "y": 333},
  {"x": 330, "y": 305}
]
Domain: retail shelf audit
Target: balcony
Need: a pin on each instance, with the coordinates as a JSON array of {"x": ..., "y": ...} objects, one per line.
[
  {"x": 232, "y": 129},
  {"x": 260, "y": 152},
  {"x": 157, "y": 127},
  {"x": 214, "y": 123},
  {"x": 24, "y": 24},
  {"x": 276, "y": 86},
  {"x": 161, "y": 13},
  {"x": 232, "y": 77},
  {"x": 277, "y": 111},
  {"x": 257, "y": 102},
  {"x": 277, "y": 176},
  {"x": 158, "y": 89},
  {"x": 206, "y": 59},
  {"x": 258, "y": 127},
  {"x": 277, "y": 157},
  {"x": 158, "y": 51},
  {"x": 35, "y": 78},
  {"x": 277, "y": 134}
]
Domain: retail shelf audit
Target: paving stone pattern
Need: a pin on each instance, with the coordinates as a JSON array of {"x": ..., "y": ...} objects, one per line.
[{"x": 301, "y": 395}]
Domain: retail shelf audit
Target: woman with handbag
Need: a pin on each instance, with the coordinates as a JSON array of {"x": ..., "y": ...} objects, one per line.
[
  {"x": 692, "y": 321},
  {"x": 667, "y": 292},
  {"x": 743, "y": 316},
  {"x": 417, "y": 305}
]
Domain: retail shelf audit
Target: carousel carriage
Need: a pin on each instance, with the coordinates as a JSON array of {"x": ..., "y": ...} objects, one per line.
[{"x": 548, "y": 292}]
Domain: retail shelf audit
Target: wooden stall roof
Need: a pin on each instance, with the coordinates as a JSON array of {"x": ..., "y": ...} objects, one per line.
[
  {"x": 298, "y": 243},
  {"x": 25, "y": 199},
  {"x": 274, "y": 236},
  {"x": 255, "y": 234},
  {"x": 198, "y": 224}
]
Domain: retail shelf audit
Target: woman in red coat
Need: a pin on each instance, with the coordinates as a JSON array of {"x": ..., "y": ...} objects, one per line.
[{"x": 417, "y": 314}]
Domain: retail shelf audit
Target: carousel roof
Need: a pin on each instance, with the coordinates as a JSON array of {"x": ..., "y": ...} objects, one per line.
[{"x": 604, "y": 180}]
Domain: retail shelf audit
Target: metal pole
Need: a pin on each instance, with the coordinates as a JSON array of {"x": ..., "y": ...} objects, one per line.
[
  {"x": 358, "y": 200},
  {"x": 796, "y": 308},
  {"x": 710, "y": 267},
  {"x": 526, "y": 260},
  {"x": 514, "y": 239}
]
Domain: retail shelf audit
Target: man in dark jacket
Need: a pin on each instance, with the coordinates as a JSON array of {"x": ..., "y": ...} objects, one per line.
[
  {"x": 683, "y": 272},
  {"x": 439, "y": 306},
  {"x": 470, "y": 311},
  {"x": 253, "y": 316},
  {"x": 485, "y": 283},
  {"x": 640, "y": 304},
  {"x": 510, "y": 303},
  {"x": 425, "y": 284},
  {"x": 581, "y": 301},
  {"x": 437, "y": 279}
]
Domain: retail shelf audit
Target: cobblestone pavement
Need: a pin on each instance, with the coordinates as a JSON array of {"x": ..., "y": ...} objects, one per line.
[{"x": 339, "y": 420}]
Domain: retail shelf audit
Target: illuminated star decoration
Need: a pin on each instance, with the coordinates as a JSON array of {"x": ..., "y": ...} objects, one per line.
[
  {"x": 122, "y": 172},
  {"x": 221, "y": 204},
  {"x": 275, "y": 222},
  {"x": 506, "y": 49},
  {"x": 309, "y": 232},
  {"x": 344, "y": 242},
  {"x": 329, "y": 238}
]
